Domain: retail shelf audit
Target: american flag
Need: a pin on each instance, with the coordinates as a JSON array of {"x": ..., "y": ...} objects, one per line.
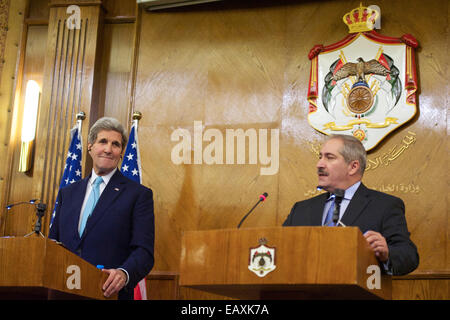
[
  {"x": 131, "y": 165},
  {"x": 72, "y": 168},
  {"x": 131, "y": 168}
]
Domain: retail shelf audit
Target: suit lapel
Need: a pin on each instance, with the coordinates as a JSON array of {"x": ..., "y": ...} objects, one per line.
[
  {"x": 113, "y": 189},
  {"x": 356, "y": 206},
  {"x": 317, "y": 209}
]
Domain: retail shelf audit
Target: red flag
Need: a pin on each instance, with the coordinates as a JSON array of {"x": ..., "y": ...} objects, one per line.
[
  {"x": 339, "y": 65},
  {"x": 384, "y": 62}
]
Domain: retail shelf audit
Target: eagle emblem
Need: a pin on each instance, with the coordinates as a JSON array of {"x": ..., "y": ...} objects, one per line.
[
  {"x": 360, "y": 98},
  {"x": 360, "y": 69}
]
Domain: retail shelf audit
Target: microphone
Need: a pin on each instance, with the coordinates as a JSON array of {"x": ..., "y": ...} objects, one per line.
[
  {"x": 339, "y": 195},
  {"x": 40, "y": 211},
  {"x": 32, "y": 201},
  {"x": 262, "y": 198}
]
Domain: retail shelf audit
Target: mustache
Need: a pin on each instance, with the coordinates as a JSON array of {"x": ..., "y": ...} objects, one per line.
[{"x": 322, "y": 171}]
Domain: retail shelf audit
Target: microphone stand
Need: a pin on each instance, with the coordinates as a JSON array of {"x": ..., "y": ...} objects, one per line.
[
  {"x": 40, "y": 211},
  {"x": 261, "y": 199}
]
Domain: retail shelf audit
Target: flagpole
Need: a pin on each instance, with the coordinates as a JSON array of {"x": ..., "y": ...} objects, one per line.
[
  {"x": 80, "y": 117},
  {"x": 136, "y": 117},
  {"x": 140, "y": 291}
]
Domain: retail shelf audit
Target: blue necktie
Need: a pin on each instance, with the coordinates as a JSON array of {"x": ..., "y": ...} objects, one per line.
[
  {"x": 90, "y": 204},
  {"x": 329, "y": 219}
]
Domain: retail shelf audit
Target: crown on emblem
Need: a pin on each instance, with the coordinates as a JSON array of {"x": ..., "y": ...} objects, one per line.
[
  {"x": 262, "y": 241},
  {"x": 360, "y": 19}
]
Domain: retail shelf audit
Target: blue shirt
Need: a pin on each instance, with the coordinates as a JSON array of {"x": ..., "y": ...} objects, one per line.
[{"x": 349, "y": 193}]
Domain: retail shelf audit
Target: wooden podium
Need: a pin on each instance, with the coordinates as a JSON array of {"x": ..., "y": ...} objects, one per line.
[
  {"x": 310, "y": 263},
  {"x": 38, "y": 268}
]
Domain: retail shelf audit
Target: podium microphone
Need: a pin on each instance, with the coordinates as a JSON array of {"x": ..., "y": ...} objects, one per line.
[
  {"x": 261, "y": 199},
  {"x": 32, "y": 201}
]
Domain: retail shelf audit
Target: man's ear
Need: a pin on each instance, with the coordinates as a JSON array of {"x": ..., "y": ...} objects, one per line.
[
  {"x": 89, "y": 147},
  {"x": 354, "y": 167}
]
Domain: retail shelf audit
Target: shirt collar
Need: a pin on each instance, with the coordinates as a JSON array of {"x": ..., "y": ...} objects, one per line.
[
  {"x": 105, "y": 178},
  {"x": 349, "y": 192}
]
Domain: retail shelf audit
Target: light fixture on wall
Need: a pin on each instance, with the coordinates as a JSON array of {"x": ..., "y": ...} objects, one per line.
[{"x": 30, "y": 112}]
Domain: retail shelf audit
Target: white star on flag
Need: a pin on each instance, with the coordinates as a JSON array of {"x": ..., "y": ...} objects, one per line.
[{"x": 131, "y": 167}]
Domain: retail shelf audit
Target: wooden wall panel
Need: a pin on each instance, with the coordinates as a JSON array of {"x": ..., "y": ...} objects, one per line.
[
  {"x": 116, "y": 62},
  {"x": 38, "y": 10},
  {"x": 434, "y": 286},
  {"x": 20, "y": 219},
  {"x": 119, "y": 8},
  {"x": 11, "y": 19}
]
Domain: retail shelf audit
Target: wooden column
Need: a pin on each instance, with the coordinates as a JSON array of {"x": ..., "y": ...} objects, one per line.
[
  {"x": 11, "y": 23},
  {"x": 69, "y": 86}
]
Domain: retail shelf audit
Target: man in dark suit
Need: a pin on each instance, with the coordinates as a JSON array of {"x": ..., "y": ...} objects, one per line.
[
  {"x": 379, "y": 216},
  {"x": 106, "y": 218}
]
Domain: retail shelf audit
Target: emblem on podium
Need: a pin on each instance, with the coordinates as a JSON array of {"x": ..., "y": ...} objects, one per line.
[
  {"x": 365, "y": 84},
  {"x": 262, "y": 259}
]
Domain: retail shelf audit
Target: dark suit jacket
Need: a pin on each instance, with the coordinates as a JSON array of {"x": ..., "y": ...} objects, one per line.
[
  {"x": 118, "y": 234},
  {"x": 368, "y": 210}
]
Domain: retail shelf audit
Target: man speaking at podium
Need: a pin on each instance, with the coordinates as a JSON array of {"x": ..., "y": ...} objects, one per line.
[
  {"x": 379, "y": 216},
  {"x": 106, "y": 218}
]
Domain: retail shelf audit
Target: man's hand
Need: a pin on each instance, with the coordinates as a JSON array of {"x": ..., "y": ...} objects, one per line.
[
  {"x": 115, "y": 282},
  {"x": 378, "y": 244}
]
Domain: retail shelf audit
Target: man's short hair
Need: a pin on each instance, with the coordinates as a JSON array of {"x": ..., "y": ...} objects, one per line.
[
  {"x": 107, "y": 124},
  {"x": 352, "y": 149}
]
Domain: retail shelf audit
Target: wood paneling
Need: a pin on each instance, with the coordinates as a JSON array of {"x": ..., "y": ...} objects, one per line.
[
  {"x": 422, "y": 286},
  {"x": 20, "y": 219},
  {"x": 116, "y": 9},
  {"x": 38, "y": 10},
  {"x": 13, "y": 46},
  {"x": 162, "y": 286},
  {"x": 116, "y": 62}
]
